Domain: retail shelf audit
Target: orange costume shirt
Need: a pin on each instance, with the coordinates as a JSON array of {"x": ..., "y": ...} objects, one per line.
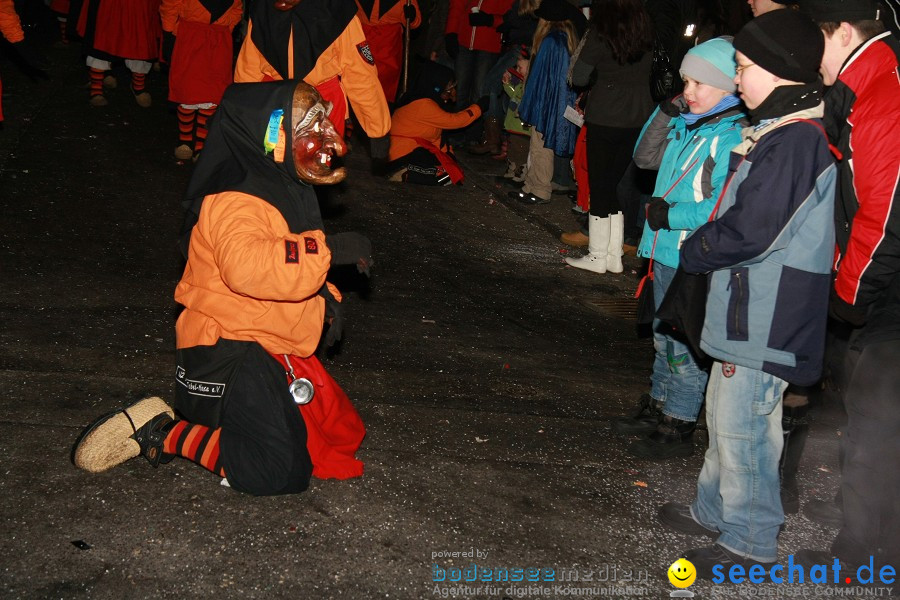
[
  {"x": 201, "y": 61},
  {"x": 249, "y": 278},
  {"x": 424, "y": 119},
  {"x": 173, "y": 11},
  {"x": 10, "y": 26},
  {"x": 342, "y": 59}
]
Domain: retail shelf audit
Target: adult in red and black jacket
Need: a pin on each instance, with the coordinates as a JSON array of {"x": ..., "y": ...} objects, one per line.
[
  {"x": 472, "y": 40},
  {"x": 862, "y": 118}
]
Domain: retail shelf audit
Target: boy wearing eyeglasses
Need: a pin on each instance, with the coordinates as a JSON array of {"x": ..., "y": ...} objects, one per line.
[{"x": 768, "y": 255}]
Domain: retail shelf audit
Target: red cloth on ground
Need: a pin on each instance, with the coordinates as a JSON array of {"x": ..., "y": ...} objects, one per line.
[
  {"x": 386, "y": 44},
  {"x": 201, "y": 63},
  {"x": 334, "y": 430},
  {"x": 447, "y": 161},
  {"x": 580, "y": 163}
]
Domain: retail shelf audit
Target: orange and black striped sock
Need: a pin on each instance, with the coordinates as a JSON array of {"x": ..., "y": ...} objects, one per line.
[
  {"x": 137, "y": 82},
  {"x": 197, "y": 443},
  {"x": 96, "y": 81},
  {"x": 203, "y": 117},
  {"x": 186, "y": 125}
]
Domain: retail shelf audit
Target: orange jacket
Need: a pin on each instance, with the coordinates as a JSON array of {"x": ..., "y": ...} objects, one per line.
[
  {"x": 10, "y": 26},
  {"x": 424, "y": 119},
  {"x": 359, "y": 78},
  {"x": 249, "y": 278},
  {"x": 172, "y": 11},
  {"x": 394, "y": 15}
]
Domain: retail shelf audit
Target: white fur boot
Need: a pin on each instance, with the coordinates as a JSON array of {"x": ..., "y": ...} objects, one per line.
[
  {"x": 616, "y": 239},
  {"x": 598, "y": 244}
]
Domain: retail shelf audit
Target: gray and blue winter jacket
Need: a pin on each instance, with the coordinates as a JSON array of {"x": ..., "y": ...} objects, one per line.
[{"x": 769, "y": 251}]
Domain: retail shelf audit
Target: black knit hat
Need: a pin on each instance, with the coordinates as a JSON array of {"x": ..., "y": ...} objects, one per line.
[
  {"x": 837, "y": 11},
  {"x": 558, "y": 10},
  {"x": 785, "y": 43}
]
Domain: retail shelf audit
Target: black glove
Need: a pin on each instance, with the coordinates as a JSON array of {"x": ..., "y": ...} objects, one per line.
[
  {"x": 168, "y": 45},
  {"x": 350, "y": 248},
  {"x": 658, "y": 214},
  {"x": 844, "y": 312},
  {"x": 483, "y": 103},
  {"x": 674, "y": 106},
  {"x": 451, "y": 44},
  {"x": 409, "y": 11},
  {"x": 334, "y": 315},
  {"x": 480, "y": 19},
  {"x": 31, "y": 56}
]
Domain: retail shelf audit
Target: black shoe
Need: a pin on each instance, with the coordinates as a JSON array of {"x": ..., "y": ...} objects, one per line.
[
  {"x": 150, "y": 437},
  {"x": 672, "y": 438},
  {"x": 644, "y": 422},
  {"x": 811, "y": 558},
  {"x": 526, "y": 198},
  {"x": 678, "y": 517},
  {"x": 704, "y": 559},
  {"x": 825, "y": 513}
]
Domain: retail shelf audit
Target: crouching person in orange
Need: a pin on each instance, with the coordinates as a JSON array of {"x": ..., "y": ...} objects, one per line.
[
  {"x": 417, "y": 153},
  {"x": 252, "y": 403}
]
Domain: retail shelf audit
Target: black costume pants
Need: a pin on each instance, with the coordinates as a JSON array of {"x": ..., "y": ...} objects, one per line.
[
  {"x": 870, "y": 461},
  {"x": 263, "y": 439}
]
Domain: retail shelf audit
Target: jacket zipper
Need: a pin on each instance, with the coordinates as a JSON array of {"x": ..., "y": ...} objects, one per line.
[{"x": 737, "y": 306}]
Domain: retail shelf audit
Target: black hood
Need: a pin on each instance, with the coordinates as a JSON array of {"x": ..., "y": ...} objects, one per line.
[
  {"x": 234, "y": 158},
  {"x": 315, "y": 25}
]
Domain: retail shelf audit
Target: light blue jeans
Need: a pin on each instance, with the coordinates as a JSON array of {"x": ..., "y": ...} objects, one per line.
[
  {"x": 738, "y": 491},
  {"x": 676, "y": 380}
]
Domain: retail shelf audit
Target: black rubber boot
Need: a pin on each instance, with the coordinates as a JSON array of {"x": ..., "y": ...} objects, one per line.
[
  {"x": 796, "y": 430},
  {"x": 671, "y": 438},
  {"x": 644, "y": 422},
  {"x": 151, "y": 436}
]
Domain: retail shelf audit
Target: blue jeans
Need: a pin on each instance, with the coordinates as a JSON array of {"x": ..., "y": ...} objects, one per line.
[
  {"x": 738, "y": 491},
  {"x": 676, "y": 380},
  {"x": 471, "y": 69}
]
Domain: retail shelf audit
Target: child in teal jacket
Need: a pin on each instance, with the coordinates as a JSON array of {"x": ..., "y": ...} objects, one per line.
[{"x": 688, "y": 140}]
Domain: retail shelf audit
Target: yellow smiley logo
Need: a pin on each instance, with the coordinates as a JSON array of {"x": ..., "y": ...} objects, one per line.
[{"x": 682, "y": 573}]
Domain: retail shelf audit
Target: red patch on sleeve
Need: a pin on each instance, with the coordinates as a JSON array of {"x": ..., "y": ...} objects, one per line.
[
  {"x": 291, "y": 252},
  {"x": 365, "y": 52},
  {"x": 312, "y": 246}
]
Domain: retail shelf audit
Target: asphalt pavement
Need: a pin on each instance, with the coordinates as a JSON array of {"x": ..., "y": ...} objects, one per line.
[{"x": 485, "y": 369}]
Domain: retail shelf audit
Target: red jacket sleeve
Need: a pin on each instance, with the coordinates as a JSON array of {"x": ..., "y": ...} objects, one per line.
[{"x": 872, "y": 258}]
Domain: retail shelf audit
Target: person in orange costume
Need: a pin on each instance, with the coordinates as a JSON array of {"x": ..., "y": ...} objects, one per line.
[
  {"x": 199, "y": 33},
  {"x": 254, "y": 296},
  {"x": 128, "y": 29},
  {"x": 322, "y": 43},
  {"x": 417, "y": 153},
  {"x": 383, "y": 22}
]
